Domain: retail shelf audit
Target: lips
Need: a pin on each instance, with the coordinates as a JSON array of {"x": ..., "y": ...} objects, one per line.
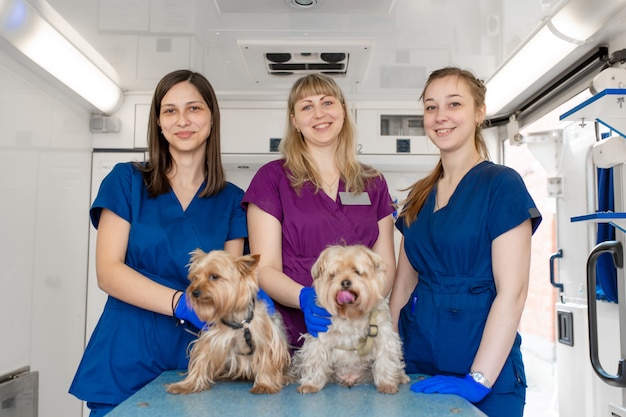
[{"x": 184, "y": 134}]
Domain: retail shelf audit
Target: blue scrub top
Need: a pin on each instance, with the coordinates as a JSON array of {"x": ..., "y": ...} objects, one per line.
[
  {"x": 442, "y": 324},
  {"x": 130, "y": 346}
]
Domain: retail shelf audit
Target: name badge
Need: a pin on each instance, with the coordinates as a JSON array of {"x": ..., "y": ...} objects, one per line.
[{"x": 349, "y": 199}]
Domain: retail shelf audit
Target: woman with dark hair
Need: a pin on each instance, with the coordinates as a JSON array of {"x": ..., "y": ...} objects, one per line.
[{"x": 149, "y": 217}]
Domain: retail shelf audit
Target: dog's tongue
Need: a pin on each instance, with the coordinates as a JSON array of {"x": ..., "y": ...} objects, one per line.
[{"x": 345, "y": 297}]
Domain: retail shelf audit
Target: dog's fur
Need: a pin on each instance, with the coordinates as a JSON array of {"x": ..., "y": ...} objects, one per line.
[
  {"x": 340, "y": 354},
  {"x": 223, "y": 291}
]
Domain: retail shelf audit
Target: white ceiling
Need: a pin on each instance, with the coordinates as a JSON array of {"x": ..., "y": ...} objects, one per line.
[{"x": 138, "y": 41}]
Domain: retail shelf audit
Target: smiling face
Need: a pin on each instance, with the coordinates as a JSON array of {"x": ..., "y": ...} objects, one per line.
[
  {"x": 450, "y": 113},
  {"x": 185, "y": 118},
  {"x": 319, "y": 118}
]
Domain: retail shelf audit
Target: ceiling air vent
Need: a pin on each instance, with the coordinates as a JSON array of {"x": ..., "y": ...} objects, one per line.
[
  {"x": 267, "y": 60},
  {"x": 284, "y": 63}
]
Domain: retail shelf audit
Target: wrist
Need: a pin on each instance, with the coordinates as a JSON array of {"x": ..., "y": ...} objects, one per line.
[
  {"x": 480, "y": 378},
  {"x": 175, "y": 300}
]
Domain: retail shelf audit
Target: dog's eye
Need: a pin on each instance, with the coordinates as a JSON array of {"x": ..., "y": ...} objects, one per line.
[
  {"x": 213, "y": 277},
  {"x": 359, "y": 273}
]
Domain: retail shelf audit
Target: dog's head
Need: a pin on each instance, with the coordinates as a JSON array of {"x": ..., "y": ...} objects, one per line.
[
  {"x": 349, "y": 280},
  {"x": 220, "y": 283}
]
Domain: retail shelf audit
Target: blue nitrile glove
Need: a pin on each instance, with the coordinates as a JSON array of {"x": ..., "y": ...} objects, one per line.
[
  {"x": 184, "y": 312},
  {"x": 465, "y": 387},
  {"x": 262, "y": 295},
  {"x": 316, "y": 318}
]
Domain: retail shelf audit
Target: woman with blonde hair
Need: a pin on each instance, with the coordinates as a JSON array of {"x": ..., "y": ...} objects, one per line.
[
  {"x": 318, "y": 194},
  {"x": 463, "y": 267}
]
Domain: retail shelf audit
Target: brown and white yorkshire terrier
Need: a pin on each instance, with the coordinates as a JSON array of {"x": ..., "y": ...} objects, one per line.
[
  {"x": 360, "y": 345},
  {"x": 243, "y": 341}
]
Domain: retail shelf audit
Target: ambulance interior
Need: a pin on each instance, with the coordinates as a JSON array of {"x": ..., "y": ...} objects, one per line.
[{"x": 77, "y": 78}]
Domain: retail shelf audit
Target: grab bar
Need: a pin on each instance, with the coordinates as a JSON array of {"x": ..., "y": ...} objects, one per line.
[{"x": 615, "y": 248}]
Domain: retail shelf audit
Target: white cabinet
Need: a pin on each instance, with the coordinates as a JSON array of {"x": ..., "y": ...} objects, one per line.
[
  {"x": 392, "y": 131},
  {"x": 252, "y": 130}
]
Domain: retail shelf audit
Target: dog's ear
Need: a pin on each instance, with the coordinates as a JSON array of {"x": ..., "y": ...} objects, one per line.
[
  {"x": 245, "y": 264},
  {"x": 318, "y": 268},
  {"x": 196, "y": 255}
]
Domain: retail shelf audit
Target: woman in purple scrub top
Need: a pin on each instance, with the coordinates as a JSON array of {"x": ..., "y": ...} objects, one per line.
[{"x": 317, "y": 195}]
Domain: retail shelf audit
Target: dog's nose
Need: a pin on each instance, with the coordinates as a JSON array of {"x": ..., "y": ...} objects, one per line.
[
  {"x": 196, "y": 293},
  {"x": 345, "y": 284}
]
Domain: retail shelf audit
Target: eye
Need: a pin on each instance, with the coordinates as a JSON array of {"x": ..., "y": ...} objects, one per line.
[
  {"x": 213, "y": 277},
  {"x": 430, "y": 108},
  {"x": 359, "y": 273},
  {"x": 307, "y": 107}
]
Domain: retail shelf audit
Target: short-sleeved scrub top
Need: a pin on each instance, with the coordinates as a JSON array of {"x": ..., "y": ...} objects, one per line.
[
  {"x": 130, "y": 346},
  {"x": 310, "y": 222},
  {"x": 441, "y": 326}
]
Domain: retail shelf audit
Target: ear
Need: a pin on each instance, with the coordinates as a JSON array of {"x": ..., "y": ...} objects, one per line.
[
  {"x": 318, "y": 268},
  {"x": 480, "y": 114},
  {"x": 380, "y": 268},
  {"x": 197, "y": 254},
  {"x": 247, "y": 263},
  {"x": 293, "y": 122}
]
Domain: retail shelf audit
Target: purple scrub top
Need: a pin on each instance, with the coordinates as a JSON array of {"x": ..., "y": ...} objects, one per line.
[{"x": 310, "y": 222}]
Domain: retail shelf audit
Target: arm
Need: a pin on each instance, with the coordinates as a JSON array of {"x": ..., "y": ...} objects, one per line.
[
  {"x": 265, "y": 233},
  {"x": 511, "y": 269},
  {"x": 119, "y": 280},
  {"x": 384, "y": 246},
  {"x": 234, "y": 247},
  {"x": 404, "y": 284}
]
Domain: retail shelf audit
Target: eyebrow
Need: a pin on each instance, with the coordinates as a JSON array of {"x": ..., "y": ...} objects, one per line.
[
  {"x": 186, "y": 104},
  {"x": 447, "y": 97}
]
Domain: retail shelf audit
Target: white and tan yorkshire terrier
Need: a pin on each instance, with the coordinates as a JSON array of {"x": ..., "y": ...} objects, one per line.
[
  {"x": 243, "y": 341},
  {"x": 360, "y": 345}
]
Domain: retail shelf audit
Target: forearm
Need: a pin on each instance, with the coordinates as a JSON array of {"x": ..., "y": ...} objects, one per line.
[
  {"x": 498, "y": 336},
  {"x": 279, "y": 286},
  {"x": 128, "y": 285}
]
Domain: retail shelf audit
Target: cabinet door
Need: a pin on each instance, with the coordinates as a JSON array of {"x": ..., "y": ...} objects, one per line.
[{"x": 248, "y": 130}]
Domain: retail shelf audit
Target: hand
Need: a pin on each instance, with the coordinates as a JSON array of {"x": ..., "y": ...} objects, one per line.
[
  {"x": 184, "y": 312},
  {"x": 269, "y": 303},
  {"x": 465, "y": 387},
  {"x": 316, "y": 318}
]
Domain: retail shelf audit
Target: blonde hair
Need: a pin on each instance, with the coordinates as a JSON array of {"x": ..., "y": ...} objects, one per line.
[
  {"x": 298, "y": 161},
  {"x": 422, "y": 188}
]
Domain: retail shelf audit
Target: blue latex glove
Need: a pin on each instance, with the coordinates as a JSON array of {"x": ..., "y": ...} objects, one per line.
[
  {"x": 465, "y": 387},
  {"x": 184, "y": 312},
  {"x": 262, "y": 295},
  {"x": 316, "y": 318}
]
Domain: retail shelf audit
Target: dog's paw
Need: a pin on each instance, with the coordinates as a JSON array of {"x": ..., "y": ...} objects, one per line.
[
  {"x": 307, "y": 389},
  {"x": 387, "y": 389},
  {"x": 184, "y": 388},
  {"x": 404, "y": 379},
  {"x": 265, "y": 389}
]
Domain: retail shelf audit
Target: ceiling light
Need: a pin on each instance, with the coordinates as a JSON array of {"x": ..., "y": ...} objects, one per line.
[
  {"x": 304, "y": 4},
  {"x": 33, "y": 36},
  {"x": 574, "y": 23}
]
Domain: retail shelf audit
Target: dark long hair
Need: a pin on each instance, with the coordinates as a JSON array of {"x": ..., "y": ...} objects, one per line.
[{"x": 159, "y": 158}]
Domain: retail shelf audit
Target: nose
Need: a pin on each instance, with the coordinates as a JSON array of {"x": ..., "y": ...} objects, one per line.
[
  {"x": 318, "y": 111},
  {"x": 441, "y": 115},
  {"x": 183, "y": 120},
  {"x": 346, "y": 284}
]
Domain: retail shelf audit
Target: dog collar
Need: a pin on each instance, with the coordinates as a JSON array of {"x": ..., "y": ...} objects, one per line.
[
  {"x": 366, "y": 343},
  {"x": 244, "y": 324}
]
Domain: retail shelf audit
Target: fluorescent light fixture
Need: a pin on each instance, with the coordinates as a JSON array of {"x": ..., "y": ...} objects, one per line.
[
  {"x": 27, "y": 31},
  {"x": 571, "y": 26},
  {"x": 540, "y": 54}
]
